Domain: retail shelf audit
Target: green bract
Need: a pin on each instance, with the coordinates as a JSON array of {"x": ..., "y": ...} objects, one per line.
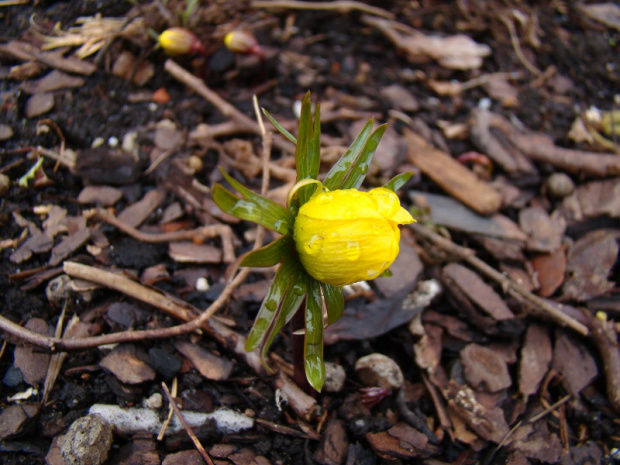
[{"x": 293, "y": 288}]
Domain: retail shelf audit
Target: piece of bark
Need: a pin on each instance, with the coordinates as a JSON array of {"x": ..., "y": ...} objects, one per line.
[
  {"x": 510, "y": 159},
  {"x": 544, "y": 232},
  {"x": 478, "y": 291},
  {"x": 540, "y": 148},
  {"x": 399, "y": 442},
  {"x": 593, "y": 199},
  {"x": 29, "y": 52},
  {"x": 488, "y": 423},
  {"x": 400, "y": 98},
  {"x": 128, "y": 364},
  {"x": 188, "y": 252},
  {"x": 484, "y": 369},
  {"x": 209, "y": 365},
  {"x": 30, "y": 361},
  {"x": 590, "y": 261},
  {"x": 550, "y": 270},
  {"x": 302, "y": 404},
  {"x": 39, "y": 104},
  {"x": 55, "y": 80},
  {"x": 428, "y": 349},
  {"x": 536, "y": 442},
  {"x": 536, "y": 355},
  {"x": 16, "y": 419},
  {"x": 101, "y": 195},
  {"x": 69, "y": 245},
  {"x": 332, "y": 449},
  {"x": 448, "y": 212},
  {"x": 452, "y": 176},
  {"x": 575, "y": 362},
  {"x": 136, "y": 213}
]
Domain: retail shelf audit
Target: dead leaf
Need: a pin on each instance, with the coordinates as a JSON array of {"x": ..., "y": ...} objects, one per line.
[
  {"x": 400, "y": 98},
  {"x": 54, "y": 80},
  {"x": 39, "y": 104},
  {"x": 101, "y": 195},
  {"x": 33, "y": 363},
  {"x": 69, "y": 245},
  {"x": 135, "y": 214},
  {"x": 188, "y": 252}
]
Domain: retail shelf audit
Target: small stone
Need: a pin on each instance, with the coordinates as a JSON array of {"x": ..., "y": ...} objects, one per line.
[
  {"x": 560, "y": 185},
  {"x": 335, "y": 377},
  {"x": 154, "y": 402},
  {"x": 5, "y": 184},
  {"x": 379, "y": 370},
  {"x": 88, "y": 441}
]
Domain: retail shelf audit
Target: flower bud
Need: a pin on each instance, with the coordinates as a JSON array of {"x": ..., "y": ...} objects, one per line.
[
  {"x": 243, "y": 42},
  {"x": 345, "y": 236},
  {"x": 179, "y": 41}
]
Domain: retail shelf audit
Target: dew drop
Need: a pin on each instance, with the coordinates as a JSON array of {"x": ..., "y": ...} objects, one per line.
[
  {"x": 371, "y": 273},
  {"x": 299, "y": 289},
  {"x": 271, "y": 304},
  {"x": 323, "y": 199},
  {"x": 313, "y": 245},
  {"x": 279, "y": 225},
  {"x": 363, "y": 169}
]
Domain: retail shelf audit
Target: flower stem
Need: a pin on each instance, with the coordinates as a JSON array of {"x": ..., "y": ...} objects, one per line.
[{"x": 298, "y": 323}]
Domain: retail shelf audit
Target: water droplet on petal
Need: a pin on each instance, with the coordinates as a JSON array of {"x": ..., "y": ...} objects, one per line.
[
  {"x": 313, "y": 245},
  {"x": 371, "y": 273}
]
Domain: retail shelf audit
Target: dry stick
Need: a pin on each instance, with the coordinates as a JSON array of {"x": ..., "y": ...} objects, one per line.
[
  {"x": 342, "y": 6},
  {"x": 243, "y": 123},
  {"x": 507, "y": 284},
  {"x": 198, "y": 234},
  {"x": 189, "y": 430}
]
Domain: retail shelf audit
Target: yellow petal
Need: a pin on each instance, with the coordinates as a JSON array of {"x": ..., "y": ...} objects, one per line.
[{"x": 345, "y": 236}]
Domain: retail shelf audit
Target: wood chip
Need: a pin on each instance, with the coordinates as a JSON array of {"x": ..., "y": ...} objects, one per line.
[
  {"x": 188, "y": 252},
  {"x": 6, "y": 132},
  {"x": 550, "y": 270},
  {"x": 69, "y": 245},
  {"x": 55, "y": 80},
  {"x": 39, "y": 104},
  {"x": 452, "y": 176},
  {"x": 127, "y": 363},
  {"x": 399, "y": 442},
  {"x": 478, "y": 291},
  {"x": 333, "y": 448},
  {"x": 105, "y": 196},
  {"x": 138, "y": 212},
  {"x": 16, "y": 419},
  {"x": 485, "y": 369},
  {"x": 575, "y": 362},
  {"x": 31, "y": 362},
  {"x": 400, "y": 98},
  {"x": 536, "y": 355},
  {"x": 208, "y": 364},
  {"x": 544, "y": 232}
]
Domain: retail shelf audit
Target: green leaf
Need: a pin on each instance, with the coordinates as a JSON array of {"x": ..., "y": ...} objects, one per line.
[
  {"x": 386, "y": 274},
  {"x": 270, "y": 254},
  {"x": 338, "y": 173},
  {"x": 256, "y": 208},
  {"x": 294, "y": 297},
  {"x": 334, "y": 301},
  {"x": 279, "y": 127},
  {"x": 307, "y": 152},
  {"x": 360, "y": 166},
  {"x": 398, "y": 181},
  {"x": 271, "y": 304},
  {"x": 313, "y": 340}
]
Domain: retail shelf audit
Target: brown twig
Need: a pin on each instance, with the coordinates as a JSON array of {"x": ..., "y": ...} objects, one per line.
[
  {"x": 517, "y": 47},
  {"x": 341, "y": 6},
  {"x": 189, "y": 430},
  {"x": 508, "y": 285},
  {"x": 194, "y": 235},
  {"x": 240, "y": 122}
]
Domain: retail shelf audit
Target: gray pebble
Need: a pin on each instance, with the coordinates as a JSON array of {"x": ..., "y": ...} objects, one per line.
[
  {"x": 560, "y": 185},
  {"x": 88, "y": 441}
]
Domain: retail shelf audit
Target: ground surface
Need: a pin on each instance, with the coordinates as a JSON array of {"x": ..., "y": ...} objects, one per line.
[{"x": 475, "y": 361}]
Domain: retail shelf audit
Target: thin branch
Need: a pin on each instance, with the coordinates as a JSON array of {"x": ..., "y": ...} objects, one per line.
[
  {"x": 189, "y": 430},
  {"x": 507, "y": 284},
  {"x": 341, "y": 6},
  {"x": 195, "y": 235}
]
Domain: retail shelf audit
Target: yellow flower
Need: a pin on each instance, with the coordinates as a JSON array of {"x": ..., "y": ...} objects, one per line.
[
  {"x": 345, "y": 236},
  {"x": 179, "y": 41},
  {"x": 243, "y": 42}
]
